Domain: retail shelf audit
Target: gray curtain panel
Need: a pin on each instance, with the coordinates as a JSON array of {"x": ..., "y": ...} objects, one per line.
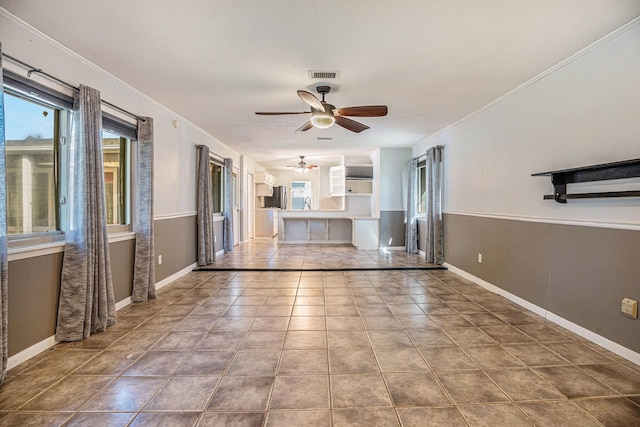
[
  {"x": 228, "y": 205},
  {"x": 144, "y": 271},
  {"x": 435, "y": 230},
  {"x": 4, "y": 266},
  {"x": 411, "y": 235},
  {"x": 87, "y": 303},
  {"x": 206, "y": 251}
]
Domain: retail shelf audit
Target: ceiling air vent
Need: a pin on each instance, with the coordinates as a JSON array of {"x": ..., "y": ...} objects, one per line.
[
  {"x": 324, "y": 138},
  {"x": 324, "y": 75}
]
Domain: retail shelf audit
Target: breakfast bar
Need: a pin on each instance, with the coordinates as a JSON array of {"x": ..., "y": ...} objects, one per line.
[{"x": 327, "y": 227}]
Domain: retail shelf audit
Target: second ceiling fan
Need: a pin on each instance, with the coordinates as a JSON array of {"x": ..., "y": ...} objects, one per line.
[
  {"x": 302, "y": 166},
  {"x": 324, "y": 115}
]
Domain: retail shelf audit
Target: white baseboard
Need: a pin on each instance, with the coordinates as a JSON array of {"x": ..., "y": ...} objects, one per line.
[
  {"x": 175, "y": 276},
  {"x": 30, "y": 352},
  {"x": 122, "y": 304},
  {"x": 49, "y": 342},
  {"x": 577, "y": 329},
  {"x": 393, "y": 248},
  {"x": 496, "y": 290},
  {"x": 612, "y": 346}
]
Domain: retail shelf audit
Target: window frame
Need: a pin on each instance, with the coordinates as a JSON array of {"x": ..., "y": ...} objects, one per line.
[
  {"x": 215, "y": 163},
  {"x": 61, "y": 133},
  {"x": 307, "y": 190},
  {"x": 27, "y": 245},
  {"x": 421, "y": 188},
  {"x": 126, "y": 158}
]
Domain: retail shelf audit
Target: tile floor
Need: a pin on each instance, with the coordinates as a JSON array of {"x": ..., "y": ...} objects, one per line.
[
  {"x": 267, "y": 254},
  {"x": 332, "y": 348}
]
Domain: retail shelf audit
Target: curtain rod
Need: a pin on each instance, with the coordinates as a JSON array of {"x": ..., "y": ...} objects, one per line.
[
  {"x": 211, "y": 153},
  {"x": 425, "y": 154},
  {"x": 33, "y": 69}
]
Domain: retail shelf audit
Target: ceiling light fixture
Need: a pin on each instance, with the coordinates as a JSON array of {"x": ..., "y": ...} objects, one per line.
[
  {"x": 322, "y": 119},
  {"x": 302, "y": 166}
]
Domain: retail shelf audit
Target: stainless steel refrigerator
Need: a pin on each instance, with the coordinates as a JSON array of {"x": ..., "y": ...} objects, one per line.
[{"x": 278, "y": 200}]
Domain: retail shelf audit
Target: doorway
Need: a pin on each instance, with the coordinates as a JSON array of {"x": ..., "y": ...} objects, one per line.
[{"x": 251, "y": 205}]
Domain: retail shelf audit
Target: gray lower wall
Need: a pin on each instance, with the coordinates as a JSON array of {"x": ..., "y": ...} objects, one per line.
[
  {"x": 175, "y": 240},
  {"x": 34, "y": 290},
  {"x": 34, "y": 283},
  {"x": 122, "y": 256},
  {"x": 392, "y": 228},
  {"x": 578, "y": 273},
  {"x": 422, "y": 233},
  {"x": 218, "y": 232}
]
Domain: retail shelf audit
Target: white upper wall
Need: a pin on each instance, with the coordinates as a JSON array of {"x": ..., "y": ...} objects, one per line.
[
  {"x": 393, "y": 178},
  {"x": 584, "y": 111},
  {"x": 175, "y": 152}
]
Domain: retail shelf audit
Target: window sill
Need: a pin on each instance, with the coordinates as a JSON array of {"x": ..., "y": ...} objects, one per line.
[
  {"x": 122, "y": 236},
  {"x": 32, "y": 250}
]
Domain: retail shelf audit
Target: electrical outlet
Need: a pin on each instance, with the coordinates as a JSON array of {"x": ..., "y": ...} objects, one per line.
[
  {"x": 480, "y": 258},
  {"x": 629, "y": 308},
  {"x": 159, "y": 259}
]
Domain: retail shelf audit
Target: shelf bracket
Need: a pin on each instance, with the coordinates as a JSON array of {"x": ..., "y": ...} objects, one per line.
[{"x": 602, "y": 172}]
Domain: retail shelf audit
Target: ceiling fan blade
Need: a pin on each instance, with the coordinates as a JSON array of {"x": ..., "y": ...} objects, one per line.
[
  {"x": 363, "y": 111},
  {"x": 277, "y": 113},
  {"x": 305, "y": 126},
  {"x": 311, "y": 99},
  {"x": 351, "y": 125}
]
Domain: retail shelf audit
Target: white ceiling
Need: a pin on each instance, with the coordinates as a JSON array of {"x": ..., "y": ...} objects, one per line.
[{"x": 216, "y": 62}]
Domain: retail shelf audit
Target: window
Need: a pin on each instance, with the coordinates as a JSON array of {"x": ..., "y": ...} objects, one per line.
[
  {"x": 117, "y": 139},
  {"x": 32, "y": 141},
  {"x": 37, "y": 123},
  {"x": 217, "y": 177},
  {"x": 236, "y": 191},
  {"x": 300, "y": 194},
  {"x": 422, "y": 188},
  {"x": 115, "y": 152}
]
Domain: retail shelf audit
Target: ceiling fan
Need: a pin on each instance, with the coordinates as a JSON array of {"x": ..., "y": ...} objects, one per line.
[
  {"x": 325, "y": 115},
  {"x": 302, "y": 166}
]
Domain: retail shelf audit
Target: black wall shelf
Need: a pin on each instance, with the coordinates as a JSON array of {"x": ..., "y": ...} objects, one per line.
[{"x": 602, "y": 172}]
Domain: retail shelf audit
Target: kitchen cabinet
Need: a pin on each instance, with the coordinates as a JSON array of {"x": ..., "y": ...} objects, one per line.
[
  {"x": 264, "y": 183},
  {"x": 266, "y": 222},
  {"x": 262, "y": 177},
  {"x": 366, "y": 233},
  {"x": 264, "y": 190}
]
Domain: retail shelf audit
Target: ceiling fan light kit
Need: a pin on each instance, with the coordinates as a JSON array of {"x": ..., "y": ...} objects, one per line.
[
  {"x": 325, "y": 115},
  {"x": 322, "y": 119},
  {"x": 302, "y": 166}
]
